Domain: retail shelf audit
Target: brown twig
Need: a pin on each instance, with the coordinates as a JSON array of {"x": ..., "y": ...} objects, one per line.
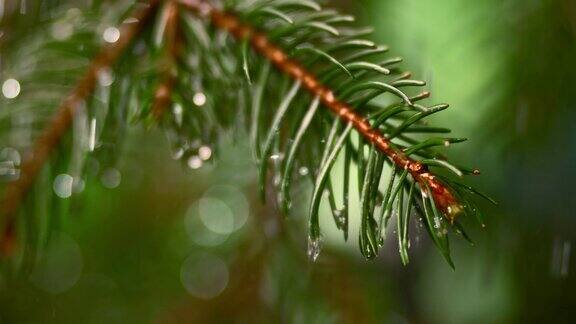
[
  {"x": 443, "y": 196},
  {"x": 59, "y": 125}
]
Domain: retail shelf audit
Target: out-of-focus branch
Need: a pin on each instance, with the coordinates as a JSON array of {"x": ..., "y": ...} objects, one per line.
[{"x": 60, "y": 123}]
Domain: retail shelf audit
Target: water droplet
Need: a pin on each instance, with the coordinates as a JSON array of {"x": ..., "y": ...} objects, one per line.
[
  {"x": 111, "y": 178},
  {"x": 436, "y": 222},
  {"x": 111, "y": 35},
  {"x": 8, "y": 169},
  {"x": 340, "y": 217},
  {"x": 235, "y": 199},
  {"x": 314, "y": 248},
  {"x": 92, "y": 135},
  {"x": 446, "y": 143},
  {"x": 11, "y": 154},
  {"x": 424, "y": 194},
  {"x": 178, "y": 153},
  {"x": 277, "y": 180},
  {"x": 195, "y": 162},
  {"x": 204, "y": 276},
  {"x": 11, "y": 88},
  {"x": 303, "y": 171},
  {"x": 63, "y": 185},
  {"x": 197, "y": 230},
  {"x": 178, "y": 111},
  {"x": 130, "y": 20},
  {"x": 216, "y": 215},
  {"x": 199, "y": 99},
  {"x": 205, "y": 153},
  {"x": 276, "y": 157},
  {"x": 105, "y": 77}
]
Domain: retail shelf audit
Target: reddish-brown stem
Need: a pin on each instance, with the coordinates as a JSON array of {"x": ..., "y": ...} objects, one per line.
[
  {"x": 163, "y": 94},
  {"x": 443, "y": 196},
  {"x": 60, "y": 123}
]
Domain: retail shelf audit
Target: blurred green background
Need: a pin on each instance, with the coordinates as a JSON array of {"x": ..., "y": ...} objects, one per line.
[{"x": 155, "y": 242}]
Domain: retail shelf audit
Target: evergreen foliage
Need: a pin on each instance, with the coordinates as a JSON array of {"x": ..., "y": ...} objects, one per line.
[{"x": 178, "y": 65}]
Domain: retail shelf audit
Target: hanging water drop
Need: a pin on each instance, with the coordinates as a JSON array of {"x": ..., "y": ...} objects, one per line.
[
  {"x": 105, "y": 77},
  {"x": 63, "y": 185},
  {"x": 303, "y": 171},
  {"x": 111, "y": 35},
  {"x": 178, "y": 153},
  {"x": 199, "y": 99},
  {"x": 11, "y": 88},
  {"x": 195, "y": 162},
  {"x": 205, "y": 152},
  {"x": 178, "y": 111},
  {"x": 340, "y": 216},
  {"x": 314, "y": 248},
  {"x": 276, "y": 157}
]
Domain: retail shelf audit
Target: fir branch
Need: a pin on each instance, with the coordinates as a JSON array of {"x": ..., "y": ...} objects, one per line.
[
  {"x": 312, "y": 49},
  {"x": 61, "y": 122},
  {"x": 442, "y": 195}
]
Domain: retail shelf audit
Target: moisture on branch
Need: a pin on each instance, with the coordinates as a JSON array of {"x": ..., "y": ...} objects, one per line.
[{"x": 333, "y": 95}]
